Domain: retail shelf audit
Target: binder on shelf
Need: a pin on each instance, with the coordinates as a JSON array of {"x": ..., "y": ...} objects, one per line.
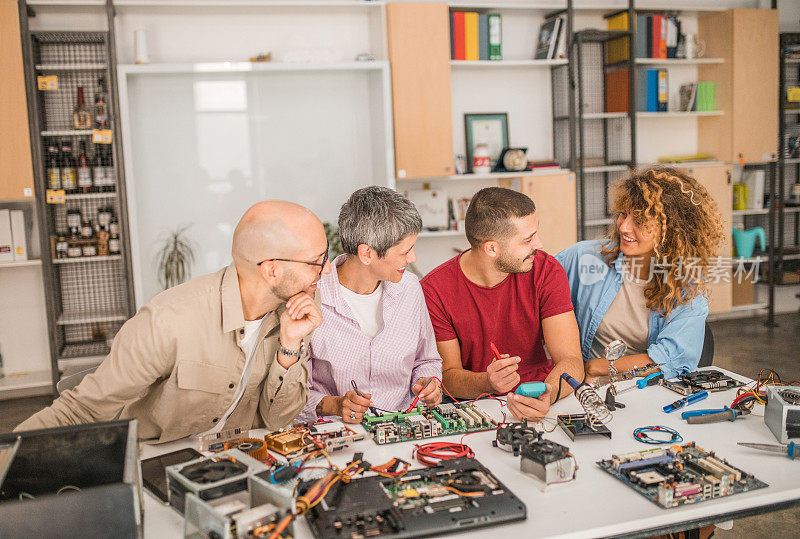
[
  {"x": 673, "y": 30},
  {"x": 617, "y": 49},
  {"x": 6, "y": 239},
  {"x": 652, "y": 90},
  {"x": 641, "y": 90},
  {"x": 649, "y": 35},
  {"x": 617, "y": 93},
  {"x": 459, "y": 44},
  {"x": 483, "y": 37},
  {"x": 18, "y": 235},
  {"x": 471, "y": 35},
  {"x": 706, "y": 96},
  {"x": 659, "y": 37},
  {"x": 641, "y": 36},
  {"x": 495, "y": 37},
  {"x": 663, "y": 90},
  {"x": 452, "y": 36}
]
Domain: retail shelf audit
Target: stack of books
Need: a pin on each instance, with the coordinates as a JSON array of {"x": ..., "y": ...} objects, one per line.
[
  {"x": 476, "y": 36},
  {"x": 656, "y": 36}
]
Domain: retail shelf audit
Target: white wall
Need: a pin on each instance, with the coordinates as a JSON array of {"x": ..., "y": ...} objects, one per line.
[{"x": 189, "y": 34}]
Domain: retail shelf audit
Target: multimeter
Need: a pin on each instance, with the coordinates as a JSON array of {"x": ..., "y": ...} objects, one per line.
[{"x": 531, "y": 389}]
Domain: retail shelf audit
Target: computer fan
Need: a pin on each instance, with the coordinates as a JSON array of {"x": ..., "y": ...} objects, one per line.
[{"x": 512, "y": 437}]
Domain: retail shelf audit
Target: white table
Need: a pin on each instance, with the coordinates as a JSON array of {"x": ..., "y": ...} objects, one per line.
[{"x": 595, "y": 504}]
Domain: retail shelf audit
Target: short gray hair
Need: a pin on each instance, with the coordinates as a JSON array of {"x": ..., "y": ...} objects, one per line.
[{"x": 378, "y": 217}]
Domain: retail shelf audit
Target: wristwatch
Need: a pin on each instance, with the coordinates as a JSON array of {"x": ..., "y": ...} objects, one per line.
[{"x": 292, "y": 353}]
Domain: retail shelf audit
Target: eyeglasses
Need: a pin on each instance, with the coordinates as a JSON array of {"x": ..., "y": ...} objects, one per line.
[{"x": 320, "y": 264}]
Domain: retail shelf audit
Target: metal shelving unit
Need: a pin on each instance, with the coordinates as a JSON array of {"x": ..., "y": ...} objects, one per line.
[
  {"x": 596, "y": 144},
  {"x": 788, "y": 217},
  {"x": 88, "y": 297}
]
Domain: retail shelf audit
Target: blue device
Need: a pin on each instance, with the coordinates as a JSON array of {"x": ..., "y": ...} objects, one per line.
[
  {"x": 531, "y": 389},
  {"x": 680, "y": 403}
]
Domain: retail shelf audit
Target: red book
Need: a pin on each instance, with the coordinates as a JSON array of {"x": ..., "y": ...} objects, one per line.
[
  {"x": 656, "y": 36},
  {"x": 459, "y": 39}
]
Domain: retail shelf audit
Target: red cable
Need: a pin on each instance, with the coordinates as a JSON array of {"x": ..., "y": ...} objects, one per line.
[{"x": 432, "y": 453}]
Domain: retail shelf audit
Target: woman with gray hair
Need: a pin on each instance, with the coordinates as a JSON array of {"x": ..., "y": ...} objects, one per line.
[{"x": 375, "y": 346}]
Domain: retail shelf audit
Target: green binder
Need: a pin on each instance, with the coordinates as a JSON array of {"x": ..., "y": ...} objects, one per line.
[{"x": 706, "y": 96}]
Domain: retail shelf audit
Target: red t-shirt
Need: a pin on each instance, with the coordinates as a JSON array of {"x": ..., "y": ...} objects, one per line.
[{"x": 509, "y": 314}]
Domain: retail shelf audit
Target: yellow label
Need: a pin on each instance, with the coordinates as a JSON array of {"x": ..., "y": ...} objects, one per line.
[
  {"x": 101, "y": 136},
  {"x": 48, "y": 82},
  {"x": 793, "y": 94},
  {"x": 56, "y": 196}
]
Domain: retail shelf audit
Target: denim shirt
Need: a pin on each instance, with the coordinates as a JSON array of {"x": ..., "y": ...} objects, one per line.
[{"x": 674, "y": 342}]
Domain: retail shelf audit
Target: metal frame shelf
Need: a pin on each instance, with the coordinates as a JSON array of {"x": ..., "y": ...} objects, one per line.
[{"x": 87, "y": 298}]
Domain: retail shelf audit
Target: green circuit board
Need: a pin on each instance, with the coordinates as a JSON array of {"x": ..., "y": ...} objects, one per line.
[{"x": 443, "y": 420}]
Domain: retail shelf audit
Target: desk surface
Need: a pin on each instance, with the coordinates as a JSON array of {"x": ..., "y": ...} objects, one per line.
[{"x": 595, "y": 504}]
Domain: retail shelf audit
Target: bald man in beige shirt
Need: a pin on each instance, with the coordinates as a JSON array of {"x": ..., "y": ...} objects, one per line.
[{"x": 223, "y": 350}]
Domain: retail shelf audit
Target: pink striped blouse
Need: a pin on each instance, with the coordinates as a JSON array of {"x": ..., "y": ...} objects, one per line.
[{"x": 386, "y": 365}]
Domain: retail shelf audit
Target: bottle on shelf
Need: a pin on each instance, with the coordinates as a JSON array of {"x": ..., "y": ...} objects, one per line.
[
  {"x": 87, "y": 230},
  {"x": 114, "y": 244},
  {"x": 69, "y": 176},
  {"x": 53, "y": 168},
  {"x": 98, "y": 170},
  {"x": 103, "y": 235},
  {"x": 100, "y": 107},
  {"x": 81, "y": 117},
  {"x": 62, "y": 247},
  {"x": 84, "y": 172},
  {"x": 74, "y": 222},
  {"x": 110, "y": 174}
]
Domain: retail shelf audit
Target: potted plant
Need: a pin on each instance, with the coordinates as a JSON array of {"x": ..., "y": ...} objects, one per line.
[{"x": 175, "y": 258}]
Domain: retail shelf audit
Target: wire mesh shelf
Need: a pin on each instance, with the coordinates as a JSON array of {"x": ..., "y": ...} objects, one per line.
[{"x": 90, "y": 295}]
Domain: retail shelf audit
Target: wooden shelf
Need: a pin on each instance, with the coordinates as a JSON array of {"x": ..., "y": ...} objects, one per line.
[
  {"x": 490, "y": 176},
  {"x": 440, "y": 233},
  {"x": 507, "y": 6},
  {"x": 506, "y": 63},
  {"x": 679, "y": 114},
  {"x": 357, "y": 4},
  {"x": 21, "y": 263},
  {"x": 677, "y": 61},
  {"x": 27, "y": 380},
  {"x": 244, "y": 67},
  {"x": 605, "y": 168}
]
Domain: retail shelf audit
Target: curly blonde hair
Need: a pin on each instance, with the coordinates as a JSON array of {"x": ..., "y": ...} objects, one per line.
[{"x": 687, "y": 226}]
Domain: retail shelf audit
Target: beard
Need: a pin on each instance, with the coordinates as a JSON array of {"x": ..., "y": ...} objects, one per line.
[
  {"x": 507, "y": 264},
  {"x": 288, "y": 287}
]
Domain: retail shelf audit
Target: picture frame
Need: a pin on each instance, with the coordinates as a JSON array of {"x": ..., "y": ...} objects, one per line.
[{"x": 486, "y": 128}]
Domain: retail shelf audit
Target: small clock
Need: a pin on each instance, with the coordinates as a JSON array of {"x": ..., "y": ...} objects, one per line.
[{"x": 512, "y": 160}]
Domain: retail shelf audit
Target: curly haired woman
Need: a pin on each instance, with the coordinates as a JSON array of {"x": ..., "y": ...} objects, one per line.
[{"x": 643, "y": 285}]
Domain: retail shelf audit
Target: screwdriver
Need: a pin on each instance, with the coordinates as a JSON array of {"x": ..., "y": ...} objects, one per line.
[{"x": 680, "y": 403}]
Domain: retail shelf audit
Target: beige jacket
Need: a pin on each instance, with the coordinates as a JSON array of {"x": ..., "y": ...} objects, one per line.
[{"x": 175, "y": 366}]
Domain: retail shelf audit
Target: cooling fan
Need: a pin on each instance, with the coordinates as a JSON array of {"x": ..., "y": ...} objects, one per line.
[
  {"x": 548, "y": 461},
  {"x": 209, "y": 471},
  {"x": 512, "y": 437}
]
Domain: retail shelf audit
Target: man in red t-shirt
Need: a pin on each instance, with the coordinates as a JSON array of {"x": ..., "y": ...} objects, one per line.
[{"x": 503, "y": 290}]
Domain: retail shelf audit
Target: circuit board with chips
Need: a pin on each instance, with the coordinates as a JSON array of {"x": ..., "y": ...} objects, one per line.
[
  {"x": 679, "y": 475},
  {"x": 443, "y": 420}
]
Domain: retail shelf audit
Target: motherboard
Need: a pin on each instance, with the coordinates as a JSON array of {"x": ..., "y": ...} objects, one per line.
[
  {"x": 679, "y": 475},
  {"x": 422, "y": 422},
  {"x": 456, "y": 495}
]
